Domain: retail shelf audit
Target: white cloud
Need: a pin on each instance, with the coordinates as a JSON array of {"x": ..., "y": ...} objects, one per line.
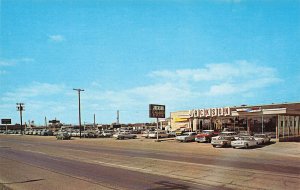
[
  {"x": 220, "y": 84},
  {"x": 33, "y": 90},
  {"x": 6, "y": 63},
  {"x": 13, "y": 62},
  {"x": 56, "y": 38},
  {"x": 217, "y": 72}
]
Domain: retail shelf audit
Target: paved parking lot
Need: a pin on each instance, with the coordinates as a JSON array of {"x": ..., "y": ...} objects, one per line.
[{"x": 34, "y": 162}]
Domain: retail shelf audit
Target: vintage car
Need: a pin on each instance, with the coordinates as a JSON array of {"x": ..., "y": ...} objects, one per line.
[
  {"x": 89, "y": 134},
  {"x": 124, "y": 135},
  {"x": 63, "y": 136},
  {"x": 161, "y": 134},
  {"x": 186, "y": 137},
  {"x": 262, "y": 138},
  {"x": 107, "y": 133},
  {"x": 46, "y": 132},
  {"x": 244, "y": 142},
  {"x": 205, "y": 136},
  {"x": 222, "y": 141},
  {"x": 145, "y": 134}
]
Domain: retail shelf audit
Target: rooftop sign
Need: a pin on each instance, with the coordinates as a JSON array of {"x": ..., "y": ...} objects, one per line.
[{"x": 211, "y": 112}]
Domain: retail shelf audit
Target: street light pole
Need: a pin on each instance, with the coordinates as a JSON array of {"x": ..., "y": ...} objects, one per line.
[
  {"x": 79, "y": 113},
  {"x": 20, "y": 108}
]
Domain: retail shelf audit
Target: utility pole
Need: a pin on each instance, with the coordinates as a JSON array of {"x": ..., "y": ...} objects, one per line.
[
  {"x": 118, "y": 117},
  {"x": 20, "y": 108},
  {"x": 94, "y": 121},
  {"x": 79, "y": 113},
  {"x": 46, "y": 126}
]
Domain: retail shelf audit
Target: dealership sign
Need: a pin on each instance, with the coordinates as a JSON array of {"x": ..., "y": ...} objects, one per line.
[
  {"x": 6, "y": 121},
  {"x": 157, "y": 111},
  {"x": 211, "y": 112}
]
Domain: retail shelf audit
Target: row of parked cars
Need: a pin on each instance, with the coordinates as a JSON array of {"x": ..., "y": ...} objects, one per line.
[
  {"x": 225, "y": 139},
  {"x": 216, "y": 139},
  {"x": 40, "y": 132},
  {"x": 123, "y": 134}
]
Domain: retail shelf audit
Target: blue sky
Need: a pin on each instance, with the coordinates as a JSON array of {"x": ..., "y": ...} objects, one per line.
[{"x": 128, "y": 54}]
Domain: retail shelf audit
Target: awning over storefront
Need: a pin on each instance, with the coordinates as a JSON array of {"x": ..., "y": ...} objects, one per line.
[
  {"x": 251, "y": 112},
  {"x": 178, "y": 119}
]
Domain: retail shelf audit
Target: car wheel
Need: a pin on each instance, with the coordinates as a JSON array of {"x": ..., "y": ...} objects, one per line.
[
  {"x": 214, "y": 146},
  {"x": 246, "y": 146}
]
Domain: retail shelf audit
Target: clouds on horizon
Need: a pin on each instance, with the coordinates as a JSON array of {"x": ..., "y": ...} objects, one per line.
[
  {"x": 177, "y": 89},
  {"x": 4, "y": 63}
]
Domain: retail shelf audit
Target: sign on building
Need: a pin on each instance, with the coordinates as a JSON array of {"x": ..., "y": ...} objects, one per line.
[
  {"x": 157, "y": 111},
  {"x": 211, "y": 112},
  {"x": 214, "y": 112}
]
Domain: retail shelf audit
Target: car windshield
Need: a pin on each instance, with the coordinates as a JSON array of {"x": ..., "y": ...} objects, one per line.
[
  {"x": 260, "y": 136},
  {"x": 244, "y": 138},
  {"x": 224, "y": 138}
]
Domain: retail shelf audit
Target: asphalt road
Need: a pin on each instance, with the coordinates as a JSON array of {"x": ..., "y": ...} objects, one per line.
[{"x": 83, "y": 162}]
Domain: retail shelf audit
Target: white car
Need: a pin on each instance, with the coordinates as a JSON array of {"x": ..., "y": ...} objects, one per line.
[
  {"x": 244, "y": 142},
  {"x": 107, "y": 133},
  {"x": 124, "y": 135},
  {"x": 186, "y": 137},
  {"x": 145, "y": 134},
  {"x": 222, "y": 141},
  {"x": 262, "y": 138},
  {"x": 161, "y": 134}
]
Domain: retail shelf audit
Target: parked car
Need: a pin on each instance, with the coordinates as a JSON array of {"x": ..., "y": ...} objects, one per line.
[
  {"x": 244, "y": 142},
  {"x": 186, "y": 137},
  {"x": 222, "y": 141},
  {"x": 145, "y": 134},
  {"x": 63, "y": 136},
  {"x": 89, "y": 134},
  {"x": 107, "y": 133},
  {"x": 172, "y": 134},
  {"x": 262, "y": 138},
  {"x": 124, "y": 135},
  {"x": 46, "y": 133},
  {"x": 205, "y": 136},
  {"x": 161, "y": 134},
  {"x": 229, "y": 134},
  {"x": 245, "y": 133}
]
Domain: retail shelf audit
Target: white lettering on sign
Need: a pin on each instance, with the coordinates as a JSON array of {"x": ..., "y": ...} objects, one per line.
[
  {"x": 201, "y": 112},
  {"x": 214, "y": 112},
  {"x": 207, "y": 112},
  {"x": 158, "y": 108},
  {"x": 220, "y": 112},
  {"x": 226, "y": 111}
]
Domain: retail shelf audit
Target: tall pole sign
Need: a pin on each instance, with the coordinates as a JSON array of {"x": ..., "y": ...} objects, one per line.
[
  {"x": 20, "y": 108},
  {"x": 157, "y": 111},
  {"x": 6, "y": 122}
]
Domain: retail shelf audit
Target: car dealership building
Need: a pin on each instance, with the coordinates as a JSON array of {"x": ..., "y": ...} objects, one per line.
[{"x": 281, "y": 121}]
